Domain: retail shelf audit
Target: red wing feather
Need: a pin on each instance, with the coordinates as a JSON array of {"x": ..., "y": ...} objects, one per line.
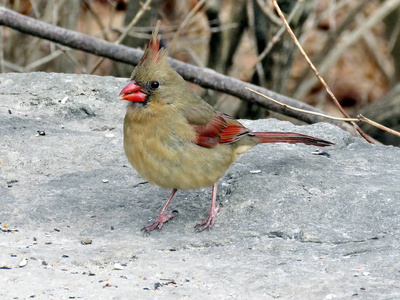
[
  {"x": 221, "y": 129},
  {"x": 209, "y": 135},
  {"x": 234, "y": 131}
]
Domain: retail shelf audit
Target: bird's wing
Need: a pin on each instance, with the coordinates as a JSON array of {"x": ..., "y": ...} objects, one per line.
[
  {"x": 213, "y": 130},
  {"x": 234, "y": 130}
]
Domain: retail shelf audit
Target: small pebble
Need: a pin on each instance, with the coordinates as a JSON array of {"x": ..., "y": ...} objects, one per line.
[
  {"x": 65, "y": 99},
  {"x": 105, "y": 181},
  {"x": 255, "y": 171},
  {"x": 5, "y": 267},
  {"x": 23, "y": 263},
  {"x": 86, "y": 241},
  {"x": 320, "y": 152},
  {"x": 118, "y": 266},
  {"x": 157, "y": 285}
]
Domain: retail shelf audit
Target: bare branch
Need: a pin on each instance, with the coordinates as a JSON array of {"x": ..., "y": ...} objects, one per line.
[
  {"x": 97, "y": 18},
  {"x": 360, "y": 117},
  {"x": 1, "y": 50},
  {"x": 380, "y": 126},
  {"x": 43, "y": 60},
  {"x": 184, "y": 23},
  {"x": 303, "y": 110},
  {"x": 317, "y": 74},
  {"x": 125, "y": 32},
  {"x": 349, "y": 40},
  {"x": 204, "y": 77},
  {"x": 329, "y": 45},
  {"x": 278, "y": 35},
  {"x": 269, "y": 12}
]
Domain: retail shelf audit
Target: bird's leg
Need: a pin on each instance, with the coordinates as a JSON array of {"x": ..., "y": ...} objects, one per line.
[
  {"x": 162, "y": 218},
  {"x": 209, "y": 222}
]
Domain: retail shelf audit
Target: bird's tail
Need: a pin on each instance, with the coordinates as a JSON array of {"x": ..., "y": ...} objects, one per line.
[{"x": 291, "y": 138}]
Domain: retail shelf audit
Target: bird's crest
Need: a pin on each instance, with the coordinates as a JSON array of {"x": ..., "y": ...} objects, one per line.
[{"x": 153, "y": 53}]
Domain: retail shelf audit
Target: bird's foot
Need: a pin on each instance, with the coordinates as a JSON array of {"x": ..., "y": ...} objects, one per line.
[
  {"x": 209, "y": 222},
  {"x": 161, "y": 219}
]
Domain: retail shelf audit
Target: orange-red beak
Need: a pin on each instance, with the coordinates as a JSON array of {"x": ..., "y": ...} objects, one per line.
[{"x": 133, "y": 92}]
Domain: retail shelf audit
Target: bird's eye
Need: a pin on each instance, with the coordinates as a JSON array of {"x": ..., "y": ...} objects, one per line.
[{"x": 154, "y": 84}]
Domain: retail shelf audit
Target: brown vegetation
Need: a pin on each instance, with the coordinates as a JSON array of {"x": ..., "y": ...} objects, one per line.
[{"x": 229, "y": 36}]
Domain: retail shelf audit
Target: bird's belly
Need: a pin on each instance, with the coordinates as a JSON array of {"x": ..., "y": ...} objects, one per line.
[{"x": 172, "y": 162}]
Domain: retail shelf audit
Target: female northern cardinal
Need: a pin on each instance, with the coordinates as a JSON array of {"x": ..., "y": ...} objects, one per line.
[{"x": 178, "y": 141}]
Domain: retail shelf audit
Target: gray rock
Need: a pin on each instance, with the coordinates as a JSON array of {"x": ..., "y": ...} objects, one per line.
[{"x": 305, "y": 227}]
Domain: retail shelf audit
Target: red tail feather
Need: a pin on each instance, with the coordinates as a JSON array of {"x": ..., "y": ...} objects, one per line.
[{"x": 291, "y": 138}]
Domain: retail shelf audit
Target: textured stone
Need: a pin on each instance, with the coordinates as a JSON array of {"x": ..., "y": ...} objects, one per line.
[{"x": 306, "y": 227}]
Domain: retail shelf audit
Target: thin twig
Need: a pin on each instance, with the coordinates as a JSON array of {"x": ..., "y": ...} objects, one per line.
[
  {"x": 269, "y": 12},
  {"x": 13, "y": 67},
  {"x": 380, "y": 61},
  {"x": 35, "y": 9},
  {"x": 329, "y": 91},
  {"x": 331, "y": 12},
  {"x": 329, "y": 45},
  {"x": 394, "y": 35},
  {"x": 359, "y": 118},
  {"x": 349, "y": 40},
  {"x": 71, "y": 57},
  {"x": 303, "y": 110},
  {"x": 195, "y": 57},
  {"x": 380, "y": 126},
  {"x": 54, "y": 19},
  {"x": 125, "y": 32},
  {"x": 2, "y": 69},
  {"x": 137, "y": 17},
  {"x": 96, "y": 17},
  {"x": 41, "y": 61},
  {"x": 184, "y": 23},
  {"x": 112, "y": 14},
  {"x": 278, "y": 35},
  {"x": 252, "y": 26},
  {"x": 206, "y": 78},
  {"x": 142, "y": 32}
]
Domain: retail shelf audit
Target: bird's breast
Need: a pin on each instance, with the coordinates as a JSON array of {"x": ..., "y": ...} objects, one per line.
[{"x": 164, "y": 154}]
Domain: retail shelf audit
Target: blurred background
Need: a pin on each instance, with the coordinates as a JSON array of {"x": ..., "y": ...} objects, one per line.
[{"x": 354, "y": 44}]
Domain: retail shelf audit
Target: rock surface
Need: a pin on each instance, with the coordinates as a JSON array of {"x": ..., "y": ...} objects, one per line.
[{"x": 294, "y": 225}]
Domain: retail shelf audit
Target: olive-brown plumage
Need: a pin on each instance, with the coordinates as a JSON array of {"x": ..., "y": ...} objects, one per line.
[{"x": 176, "y": 140}]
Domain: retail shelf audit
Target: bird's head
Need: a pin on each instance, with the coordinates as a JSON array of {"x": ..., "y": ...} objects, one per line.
[{"x": 153, "y": 81}]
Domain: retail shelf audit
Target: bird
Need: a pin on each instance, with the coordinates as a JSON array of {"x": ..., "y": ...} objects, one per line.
[{"x": 176, "y": 140}]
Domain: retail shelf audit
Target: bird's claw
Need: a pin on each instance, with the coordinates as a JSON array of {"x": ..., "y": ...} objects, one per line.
[
  {"x": 209, "y": 222},
  {"x": 161, "y": 219}
]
